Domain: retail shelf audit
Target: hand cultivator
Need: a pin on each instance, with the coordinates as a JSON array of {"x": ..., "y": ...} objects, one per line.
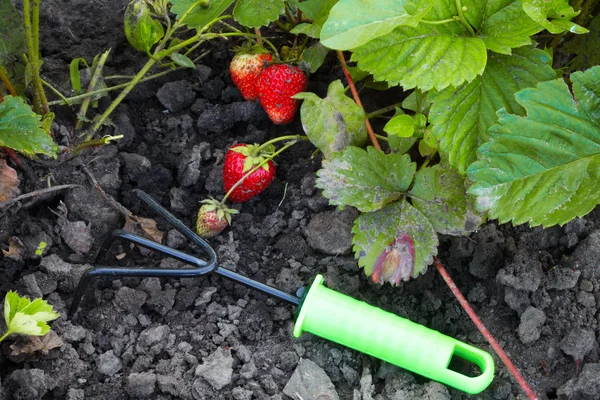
[{"x": 322, "y": 312}]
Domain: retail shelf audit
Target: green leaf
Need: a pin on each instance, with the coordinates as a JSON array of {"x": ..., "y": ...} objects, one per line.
[
  {"x": 21, "y": 129},
  {"x": 439, "y": 192},
  {"x": 332, "y": 123},
  {"x": 367, "y": 180},
  {"x": 141, "y": 30},
  {"x": 543, "y": 168},
  {"x": 314, "y": 56},
  {"x": 317, "y": 11},
  {"x": 501, "y": 24},
  {"x": 352, "y": 23},
  {"x": 257, "y": 13},
  {"x": 554, "y": 15},
  {"x": 461, "y": 116},
  {"x": 585, "y": 46},
  {"x": 376, "y": 236},
  {"x": 27, "y": 317},
  {"x": 75, "y": 74},
  {"x": 12, "y": 33},
  {"x": 428, "y": 56},
  {"x": 200, "y": 15},
  {"x": 182, "y": 60},
  {"x": 401, "y": 125}
]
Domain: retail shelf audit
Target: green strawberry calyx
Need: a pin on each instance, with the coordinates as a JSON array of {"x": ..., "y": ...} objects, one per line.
[
  {"x": 255, "y": 155},
  {"x": 222, "y": 211}
]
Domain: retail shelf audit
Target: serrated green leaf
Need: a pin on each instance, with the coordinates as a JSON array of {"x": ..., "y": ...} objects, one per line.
[
  {"x": 461, "y": 116},
  {"x": 428, "y": 56},
  {"x": 501, "y": 24},
  {"x": 182, "y": 60},
  {"x": 27, "y": 317},
  {"x": 141, "y": 30},
  {"x": 332, "y": 123},
  {"x": 400, "y": 125},
  {"x": 200, "y": 15},
  {"x": 314, "y": 56},
  {"x": 352, "y": 23},
  {"x": 317, "y": 11},
  {"x": 440, "y": 194},
  {"x": 554, "y": 15},
  {"x": 21, "y": 129},
  {"x": 365, "y": 179},
  {"x": 586, "y": 47},
  {"x": 257, "y": 13},
  {"x": 12, "y": 33},
  {"x": 375, "y": 231},
  {"x": 543, "y": 168}
]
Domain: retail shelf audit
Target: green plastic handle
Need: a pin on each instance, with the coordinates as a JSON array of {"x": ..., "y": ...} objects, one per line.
[{"x": 360, "y": 326}]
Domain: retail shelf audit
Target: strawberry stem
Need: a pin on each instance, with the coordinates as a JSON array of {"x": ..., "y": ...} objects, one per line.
[
  {"x": 256, "y": 167},
  {"x": 383, "y": 110},
  {"x": 277, "y": 139},
  {"x": 463, "y": 20},
  {"x": 7, "y": 83},
  {"x": 357, "y": 99},
  {"x": 486, "y": 334}
]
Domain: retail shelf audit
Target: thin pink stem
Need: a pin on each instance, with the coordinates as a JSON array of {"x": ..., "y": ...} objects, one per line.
[{"x": 486, "y": 334}]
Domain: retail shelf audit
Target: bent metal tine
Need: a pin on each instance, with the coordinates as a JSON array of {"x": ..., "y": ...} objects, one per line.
[{"x": 202, "y": 267}]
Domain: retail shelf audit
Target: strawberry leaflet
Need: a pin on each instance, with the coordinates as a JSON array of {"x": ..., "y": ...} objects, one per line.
[
  {"x": 543, "y": 168},
  {"x": 380, "y": 241},
  {"x": 461, "y": 116},
  {"x": 439, "y": 192},
  {"x": 367, "y": 180},
  {"x": 332, "y": 123}
]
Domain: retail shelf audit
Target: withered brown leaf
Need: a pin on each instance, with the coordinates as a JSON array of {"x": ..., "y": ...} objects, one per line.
[{"x": 32, "y": 344}]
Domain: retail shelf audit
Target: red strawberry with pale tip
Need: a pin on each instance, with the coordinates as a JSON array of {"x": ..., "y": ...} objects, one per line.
[
  {"x": 213, "y": 217},
  {"x": 245, "y": 69},
  {"x": 276, "y": 85},
  {"x": 239, "y": 160}
]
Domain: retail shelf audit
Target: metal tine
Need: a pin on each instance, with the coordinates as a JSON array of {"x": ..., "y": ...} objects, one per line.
[
  {"x": 202, "y": 267},
  {"x": 175, "y": 222}
]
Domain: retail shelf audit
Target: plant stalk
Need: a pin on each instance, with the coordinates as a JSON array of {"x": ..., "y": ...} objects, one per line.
[
  {"x": 383, "y": 110},
  {"x": 357, "y": 99},
  {"x": 92, "y": 84},
  {"x": 481, "y": 327},
  {"x": 93, "y": 143},
  {"x": 5, "y": 335},
  {"x": 31, "y": 22},
  {"x": 157, "y": 56},
  {"x": 66, "y": 101},
  {"x": 279, "y": 139},
  {"x": 463, "y": 20},
  {"x": 7, "y": 83}
]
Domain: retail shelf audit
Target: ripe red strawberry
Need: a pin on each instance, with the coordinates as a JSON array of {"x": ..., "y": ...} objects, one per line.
[
  {"x": 240, "y": 159},
  {"x": 244, "y": 70},
  {"x": 213, "y": 217},
  {"x": 276, "y": 85}
]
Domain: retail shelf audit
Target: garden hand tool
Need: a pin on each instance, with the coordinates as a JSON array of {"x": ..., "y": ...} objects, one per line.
[{"x": 322, "y": 312}]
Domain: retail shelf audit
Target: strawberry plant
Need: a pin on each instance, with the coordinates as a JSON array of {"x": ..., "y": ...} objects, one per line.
[
  {"x": 484, "y": 128},
  {"x": 26, "y": 317}
]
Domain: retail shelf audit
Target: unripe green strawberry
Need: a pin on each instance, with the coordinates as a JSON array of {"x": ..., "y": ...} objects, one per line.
[
  {"x": 244, "y": 70},
  {"x": 213, "y": 217},
  {"x": 276, "y": 85}
]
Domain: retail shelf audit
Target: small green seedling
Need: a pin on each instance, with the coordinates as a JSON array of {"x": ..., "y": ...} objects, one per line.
[{"x": 26, "y": 317}]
